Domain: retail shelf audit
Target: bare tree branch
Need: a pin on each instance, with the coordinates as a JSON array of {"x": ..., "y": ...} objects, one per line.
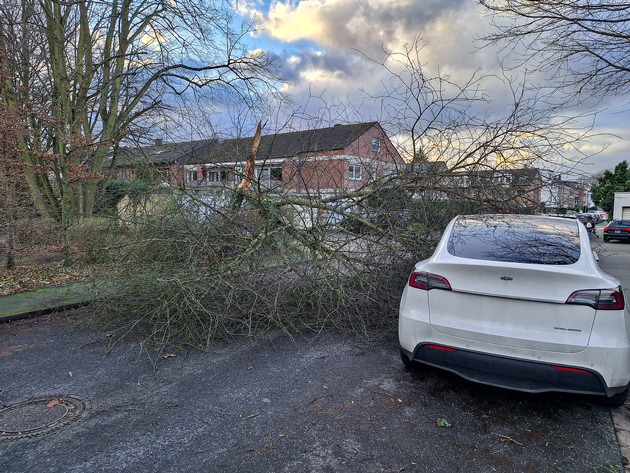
[{"x": 581, "y": 45}]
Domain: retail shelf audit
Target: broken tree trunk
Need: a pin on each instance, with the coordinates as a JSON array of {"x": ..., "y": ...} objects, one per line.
[{"x": 248, "y": 173}]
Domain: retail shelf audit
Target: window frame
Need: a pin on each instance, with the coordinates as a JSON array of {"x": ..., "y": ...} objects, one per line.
[
  {"x": 376, "y": 145},
  {"x": 217, "y": 176},
  {"x": 238, "y": 174},
  {"x": 355, "y": 172}
]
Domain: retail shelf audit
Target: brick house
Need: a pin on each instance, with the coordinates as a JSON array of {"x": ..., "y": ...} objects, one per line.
[
  {"x": 160, "y": 162},
  {"x": 323, "y": 160}
]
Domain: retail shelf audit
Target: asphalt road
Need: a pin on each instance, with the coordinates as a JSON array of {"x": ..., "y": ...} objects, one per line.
[
  {"x": 312, "y": 404},
  {"x": 614, "y": 258}
]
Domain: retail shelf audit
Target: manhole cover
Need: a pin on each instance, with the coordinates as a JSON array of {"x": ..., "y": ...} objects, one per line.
[{"x": 40, "y": 416}]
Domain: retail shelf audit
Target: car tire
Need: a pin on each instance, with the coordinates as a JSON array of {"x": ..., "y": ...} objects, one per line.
[
  {"x": 616, "y": 400},
  {"x": 606, "y": 239},
  {"x": 409, "y": 364}
]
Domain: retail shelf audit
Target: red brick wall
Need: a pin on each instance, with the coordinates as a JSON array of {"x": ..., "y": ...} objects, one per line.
[{"x": 319, "y": 172}]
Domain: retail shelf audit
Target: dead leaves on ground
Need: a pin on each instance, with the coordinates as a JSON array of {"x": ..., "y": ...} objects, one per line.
[
  {"x": 55, "y": 402},
  {"x": 29, "y": 278}
]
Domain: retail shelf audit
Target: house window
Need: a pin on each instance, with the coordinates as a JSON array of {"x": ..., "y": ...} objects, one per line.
[
  {"x": 238, "y": 174},
  {"x": 373, "y": 170},
  {"x": 376, "y": 145},
  {"x": 463, "y": 181},
  {"x": 354, "y": 172},
  {"x": 217, "y": 176},
  {"x": 192, "y": 175},
  {"x": 164, "y": 175},
  {"x": 266, "y": 174},
  {"x": 262, "y": 174},
  {"x": 276, "y": 174}
]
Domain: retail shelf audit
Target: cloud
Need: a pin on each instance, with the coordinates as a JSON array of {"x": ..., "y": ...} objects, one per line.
[
  {"x": 323, "y": 46},
  {"x": 290, "y": 22},
  {"x": 335, "y": 23},
  {"x": 327, "y": 42}
]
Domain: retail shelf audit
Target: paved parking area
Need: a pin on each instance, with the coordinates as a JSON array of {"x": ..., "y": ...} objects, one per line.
[{"x": 311, "y": 404}]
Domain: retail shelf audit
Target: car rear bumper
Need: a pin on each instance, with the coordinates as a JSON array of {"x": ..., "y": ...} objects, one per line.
[
  {"x": 511, "y": 373},
  {"x": 617, "y": 236}
]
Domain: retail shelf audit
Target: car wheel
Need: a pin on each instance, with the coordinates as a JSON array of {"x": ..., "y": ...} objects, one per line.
[
  {"x": 409, "y": 364},
  {"x": 616, "y": 400}
]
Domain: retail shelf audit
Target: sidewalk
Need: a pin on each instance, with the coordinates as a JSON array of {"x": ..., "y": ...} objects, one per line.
[{"x": 42, "y": 301}]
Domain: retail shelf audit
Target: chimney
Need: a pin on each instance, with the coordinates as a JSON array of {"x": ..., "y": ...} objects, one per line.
[{"x": 158, "y": 142}]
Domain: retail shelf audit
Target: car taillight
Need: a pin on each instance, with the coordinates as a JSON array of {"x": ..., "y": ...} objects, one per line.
[
  {"x": 428, "y": 281},
  {"x": 600, "y": 299},
  {"x": 607, "y": 229},
  {"x": 441, "y": 348},
  {"x": 568, "y": 369}
]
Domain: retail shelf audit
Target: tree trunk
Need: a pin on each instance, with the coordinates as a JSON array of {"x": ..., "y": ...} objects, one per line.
[{"x": 11, "y": 224}]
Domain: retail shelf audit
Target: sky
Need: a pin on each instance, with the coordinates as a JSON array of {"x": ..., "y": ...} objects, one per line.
[{"x": 322, "y": 49}]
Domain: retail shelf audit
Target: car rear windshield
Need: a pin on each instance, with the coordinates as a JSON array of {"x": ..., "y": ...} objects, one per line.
[
  {"x": 515, "y": 239},
  {"x": 620, "y": 223}
]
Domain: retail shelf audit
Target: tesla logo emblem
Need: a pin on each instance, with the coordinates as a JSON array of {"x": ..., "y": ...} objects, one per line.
[{"x": 506, "y": 278}]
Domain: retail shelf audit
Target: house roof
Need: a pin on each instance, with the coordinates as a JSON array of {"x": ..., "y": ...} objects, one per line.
[
  {"x": 284, "y": 145},
  {"x": 160, "y": 154},
  {"x": 280, "y": 145}
]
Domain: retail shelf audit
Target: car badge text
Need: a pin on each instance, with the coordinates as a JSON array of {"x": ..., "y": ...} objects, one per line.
[{"x": 506, "y": 278}]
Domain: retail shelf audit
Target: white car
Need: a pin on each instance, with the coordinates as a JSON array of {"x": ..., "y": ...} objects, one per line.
[{"x": 518, "y": 301}]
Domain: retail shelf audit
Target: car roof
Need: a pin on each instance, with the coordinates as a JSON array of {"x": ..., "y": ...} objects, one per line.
[{"x": 542, "y": 221}]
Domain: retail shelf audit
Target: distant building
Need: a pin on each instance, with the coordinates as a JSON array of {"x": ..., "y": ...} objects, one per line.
[
  {"x": 559, "y": 195},
  {"x": 500, "y": 190}
]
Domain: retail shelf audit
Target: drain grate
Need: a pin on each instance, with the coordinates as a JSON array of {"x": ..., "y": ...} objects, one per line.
[{"x": 40, "y": 416}]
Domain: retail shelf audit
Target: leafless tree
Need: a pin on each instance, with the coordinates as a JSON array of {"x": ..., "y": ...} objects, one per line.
[
  {"x": 10, "y": 179},
  {"x": 12, "y": 182},
  {"x": 84, "y": 74},
  {"x": 438, "y": 120},
  {"x": 581, "y": 45}
]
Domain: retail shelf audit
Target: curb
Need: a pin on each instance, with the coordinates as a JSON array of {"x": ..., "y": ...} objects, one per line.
[
  {"x": 40, "y": 312},
  {"x": 621, "y": 422},
  {"x": 24, "y": 305}
]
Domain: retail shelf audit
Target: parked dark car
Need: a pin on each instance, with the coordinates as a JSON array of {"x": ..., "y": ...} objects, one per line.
[{"x": 617, "y": 230}]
